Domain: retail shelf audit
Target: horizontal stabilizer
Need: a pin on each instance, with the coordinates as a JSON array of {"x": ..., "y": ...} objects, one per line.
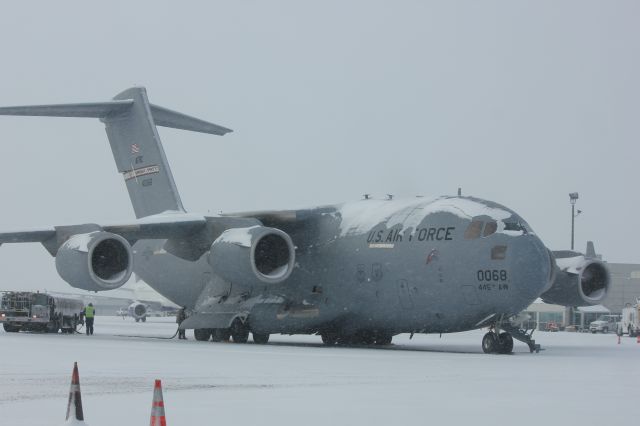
[
  {"x": 92, "y": 110},
  {"x": 161, "y": 116},
  {"x": 167, "y": 118}
]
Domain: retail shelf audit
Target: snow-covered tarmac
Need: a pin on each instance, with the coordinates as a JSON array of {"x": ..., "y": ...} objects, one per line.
[{"x": 579, "y": 379}]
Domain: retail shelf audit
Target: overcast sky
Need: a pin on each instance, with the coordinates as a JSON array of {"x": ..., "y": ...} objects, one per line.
[{"x": 519, "y": 102}]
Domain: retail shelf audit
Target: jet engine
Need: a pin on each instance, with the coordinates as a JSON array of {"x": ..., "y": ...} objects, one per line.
[
  {"x": 579, "y": 281},
  {"x": 253, "y": 255},
  {"x": 95, "y": 261},
  {"x": 138, "y": 311}
]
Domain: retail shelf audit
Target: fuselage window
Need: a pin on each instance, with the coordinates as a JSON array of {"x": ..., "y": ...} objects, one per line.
[
  {"x": 490, "y": 228},
  {"x": 473, "y": 230}
]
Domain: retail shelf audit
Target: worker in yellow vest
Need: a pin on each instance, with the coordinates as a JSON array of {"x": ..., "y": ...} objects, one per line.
[{"x": 89, "y": 314}]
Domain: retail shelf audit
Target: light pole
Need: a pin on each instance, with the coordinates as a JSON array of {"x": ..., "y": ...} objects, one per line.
[{"x": 573, "y": 197}]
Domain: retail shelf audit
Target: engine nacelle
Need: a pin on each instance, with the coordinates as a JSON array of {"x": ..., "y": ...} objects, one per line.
[
  {"x": 579, "y": 281},
  {"x": 95, "y": 261},
  {"x": 138, "y": 311},
  {"x": 253, "y": 255}
]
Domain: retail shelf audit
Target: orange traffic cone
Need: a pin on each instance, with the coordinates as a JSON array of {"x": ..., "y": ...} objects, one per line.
[
  {"x": 74, "y": 406},
  {"x": 157, "y": 406},
  {"x": 638, "y": 338}
]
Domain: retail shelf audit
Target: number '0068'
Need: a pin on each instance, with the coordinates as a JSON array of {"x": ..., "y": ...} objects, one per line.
[{"x": 488, "y": 275}]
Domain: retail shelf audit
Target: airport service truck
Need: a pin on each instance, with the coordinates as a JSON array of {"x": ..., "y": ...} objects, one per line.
[
  {"x": 29, "y": 311},
  {"x": 631, "y": 319}
]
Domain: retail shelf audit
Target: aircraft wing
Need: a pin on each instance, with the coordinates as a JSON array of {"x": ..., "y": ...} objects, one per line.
[{"x": 164, "y": 226}]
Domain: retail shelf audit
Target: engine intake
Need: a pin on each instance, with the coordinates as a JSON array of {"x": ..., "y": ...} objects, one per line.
[
  {"x": 95, "y": 261},
  {"x": 579, "y": 281},
  {"x": 138, "y": 311},
  {"x": 255, "y": 254}
]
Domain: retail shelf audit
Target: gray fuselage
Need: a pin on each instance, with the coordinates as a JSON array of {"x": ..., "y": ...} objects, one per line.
[{"x": 422, "y": 265}]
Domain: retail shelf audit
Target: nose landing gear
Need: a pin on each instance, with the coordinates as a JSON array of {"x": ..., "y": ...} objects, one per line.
[
  {"x": 497, "y": 342},
  {"x": 494, "y": 343}
]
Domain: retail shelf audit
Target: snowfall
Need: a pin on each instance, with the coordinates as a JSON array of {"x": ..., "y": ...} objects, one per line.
[{"x": 578, "y": 378}]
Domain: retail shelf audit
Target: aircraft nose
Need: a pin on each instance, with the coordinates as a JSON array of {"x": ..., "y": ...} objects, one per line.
[{"x": 532, "y": 267}]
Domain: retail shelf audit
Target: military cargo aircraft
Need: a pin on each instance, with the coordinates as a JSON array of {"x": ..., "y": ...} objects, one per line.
[{"x": 353, "y": 273}]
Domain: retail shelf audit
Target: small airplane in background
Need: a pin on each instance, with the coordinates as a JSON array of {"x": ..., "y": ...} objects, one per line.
[{"x": 353, "y": 273}]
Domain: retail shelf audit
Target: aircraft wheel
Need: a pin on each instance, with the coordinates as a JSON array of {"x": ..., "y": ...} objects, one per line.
[
  {"x": 490, "y": 343},
  {"x": 202, "y": 334},
  {"x": 384, "y": 340},
  {"x": 239, "y": 331},
  {"x": 505, "y": 343},
  {"x": 52, "y": 327},
  {"x": 260, "y": 338},
  {"x": 220, "y": 335},
  {"x": 329, "y": 339},
  {"x": 346, "y": 340},
  {"x": 364, "y": 338}
]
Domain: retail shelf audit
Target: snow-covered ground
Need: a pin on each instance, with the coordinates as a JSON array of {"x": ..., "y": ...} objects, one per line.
[{"x": 580, "y": 379}]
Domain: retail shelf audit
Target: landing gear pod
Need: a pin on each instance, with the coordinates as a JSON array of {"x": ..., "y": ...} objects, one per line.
[
  {"x": 255, "y": 254},
  {"x": 96, "y": 261}
]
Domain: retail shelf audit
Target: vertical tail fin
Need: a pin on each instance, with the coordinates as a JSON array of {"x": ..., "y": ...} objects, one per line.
[
  {"x": 131, "y": 122},
  {"x": 140, "y": 158}
]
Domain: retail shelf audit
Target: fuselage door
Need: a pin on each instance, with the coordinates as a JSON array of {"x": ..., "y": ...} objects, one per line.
[{"x": 404, "y": 294}]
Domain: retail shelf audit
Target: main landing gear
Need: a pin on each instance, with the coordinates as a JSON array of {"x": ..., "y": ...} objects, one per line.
[
  {"x": 331, "y": 338},
  {"x": 501, "y": 342},
  {"x": 238, "y": 332}
]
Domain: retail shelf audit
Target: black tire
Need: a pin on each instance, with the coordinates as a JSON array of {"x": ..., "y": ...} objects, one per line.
[
  {"x": 52, "y": 327},
  {"x": 364, "y": 338},
  {"x": 383, "y": 340},
  {"x": 490, "y": 343},
  {"x": 144, "y": 319},
  {"x": 261, "y": 338},
  {"x": 220, "y": 335},
  {"x": 329, "y": 339},
  {"x": 202, "y": 334},
  {"x": 505, "y": 343},
  {"x": 239, "y": 332},
  {"x": 10, "y": 328}
]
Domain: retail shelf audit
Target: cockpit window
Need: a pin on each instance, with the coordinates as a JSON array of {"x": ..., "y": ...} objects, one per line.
[
  {"x": 473, "y": 230},
  {"x": 490, "y": 228},
  {"x": 515, "y": 225}
]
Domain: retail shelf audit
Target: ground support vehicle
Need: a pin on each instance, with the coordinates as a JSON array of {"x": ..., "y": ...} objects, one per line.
[
  {"x": 631, "y": 319},
  {"x": 35, "y": 311},
  {"x": 605, "y": 324}
]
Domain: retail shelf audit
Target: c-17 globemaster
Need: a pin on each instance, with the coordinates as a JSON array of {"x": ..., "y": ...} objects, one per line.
[{"x": 353, "y": 273}]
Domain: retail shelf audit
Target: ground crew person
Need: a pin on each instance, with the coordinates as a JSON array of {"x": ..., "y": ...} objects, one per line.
[
  {"x": 181, "y": 316},
  {"x": 89, "y": 314}
]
